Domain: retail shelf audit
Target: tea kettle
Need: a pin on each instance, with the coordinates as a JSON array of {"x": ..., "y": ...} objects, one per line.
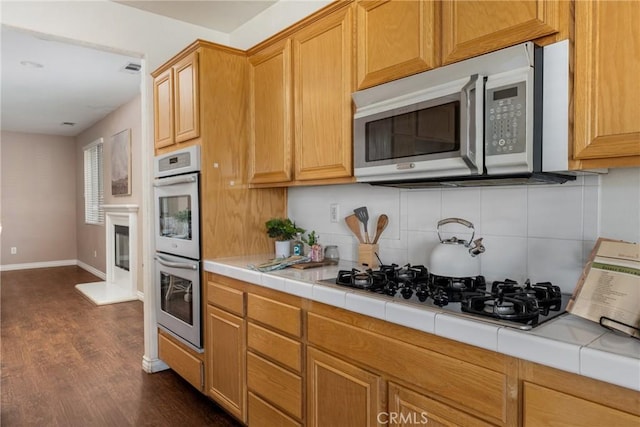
[{"x": 456, "y": 257}]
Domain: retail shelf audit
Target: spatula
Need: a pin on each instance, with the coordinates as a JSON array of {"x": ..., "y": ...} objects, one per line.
[
  {"x": 383, "y": 221},
  {"x": 354, "y": 226},
  {"x": 363, "y": 215}
]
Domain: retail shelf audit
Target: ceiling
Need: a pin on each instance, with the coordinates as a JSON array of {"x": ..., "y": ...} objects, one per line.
[{"x": 48, "y": 84}]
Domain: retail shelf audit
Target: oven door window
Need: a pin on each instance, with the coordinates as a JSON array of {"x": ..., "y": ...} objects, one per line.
[
  {"x": 176, "y": 297},
  {"x": 175, "y": 217},
  {"x": 427, "y": 131}
]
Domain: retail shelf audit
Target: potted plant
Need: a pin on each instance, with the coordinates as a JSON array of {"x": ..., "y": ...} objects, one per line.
[
  {"x": 283, "y": 230},
  {"x": 315, "y": 252}
]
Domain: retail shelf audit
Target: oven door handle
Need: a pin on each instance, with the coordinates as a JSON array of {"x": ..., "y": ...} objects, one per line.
[
  {"x": 167, "y": 263},
  {"x": 182, "y": 179}
]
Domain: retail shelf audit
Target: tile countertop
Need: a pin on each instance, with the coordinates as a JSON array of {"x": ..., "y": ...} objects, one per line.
[{"x": 568, "y": 342}]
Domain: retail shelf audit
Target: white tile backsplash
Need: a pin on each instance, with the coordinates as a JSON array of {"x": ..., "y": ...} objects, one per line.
[
  {"x": 555, "y": 212},
  {"x": 541, "y": 232}
]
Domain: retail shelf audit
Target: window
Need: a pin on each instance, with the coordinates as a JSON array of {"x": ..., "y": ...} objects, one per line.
[{"x": 93, "y": 183}]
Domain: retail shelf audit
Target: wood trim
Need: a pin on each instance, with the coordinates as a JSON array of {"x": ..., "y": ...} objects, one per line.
[{"x": 197, "y": 44}]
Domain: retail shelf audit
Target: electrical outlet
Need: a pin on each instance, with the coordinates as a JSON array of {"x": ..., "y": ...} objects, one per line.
[
  {"x": 334, "y": 212},
  {"x": 14, "y": 250}
]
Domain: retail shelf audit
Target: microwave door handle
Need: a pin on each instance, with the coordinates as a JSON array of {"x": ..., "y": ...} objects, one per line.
[
  {"x": 183, "y": 265},
  {"x": 472, "y": 102},
  {"x": 182, "y": 179}
]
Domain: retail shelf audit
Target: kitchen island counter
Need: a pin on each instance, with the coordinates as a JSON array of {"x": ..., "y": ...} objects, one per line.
[{"x": 567, "y": 342}]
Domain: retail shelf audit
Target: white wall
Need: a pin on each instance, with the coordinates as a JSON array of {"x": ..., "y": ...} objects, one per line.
[{"x": 543, "y": 233}]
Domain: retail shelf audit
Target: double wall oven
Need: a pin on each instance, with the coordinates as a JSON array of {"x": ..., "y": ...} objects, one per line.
[{"x": 177, "y": 243}]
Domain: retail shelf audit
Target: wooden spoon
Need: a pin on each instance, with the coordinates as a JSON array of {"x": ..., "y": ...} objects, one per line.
[
  {"x": 383, "y": 221},
  {"x": 354, "y": 225}
]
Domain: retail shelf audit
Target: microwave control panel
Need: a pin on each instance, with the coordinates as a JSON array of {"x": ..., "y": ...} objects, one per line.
[{"x": 505, "y": 119}]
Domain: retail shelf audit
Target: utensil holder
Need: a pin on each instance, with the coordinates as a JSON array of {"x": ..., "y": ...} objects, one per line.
[{"x": 367, "y": 255}]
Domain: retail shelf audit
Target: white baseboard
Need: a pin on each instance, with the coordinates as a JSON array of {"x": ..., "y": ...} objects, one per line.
[
  {"x": 46, "y": 264},
  {"x": 156, "y": 365},
  {"x": 141, "y": 295},
  {"x": 91, "y": 270}
]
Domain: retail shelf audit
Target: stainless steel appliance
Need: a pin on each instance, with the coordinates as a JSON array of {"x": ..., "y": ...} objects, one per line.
[
  {"x": 177, "y": 240},
  {"x": 506, "y": 303},
  {"x": 500, "y": 115}
]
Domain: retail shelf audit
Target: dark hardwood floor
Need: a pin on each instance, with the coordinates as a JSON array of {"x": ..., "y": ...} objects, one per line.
[{"x": 66, "y": 362}]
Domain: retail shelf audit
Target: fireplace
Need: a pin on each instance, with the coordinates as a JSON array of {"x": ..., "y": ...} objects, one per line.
[
  {"x": 121, "y": 225},
  {"x": 121, "y": 247}
]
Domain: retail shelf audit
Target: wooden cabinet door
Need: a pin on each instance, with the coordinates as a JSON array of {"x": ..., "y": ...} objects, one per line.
[
  {"x": 226, "y": 361},
  {"x": 471, "y": 28},
  {"x": 546, "y": 407},
  {"x": 163, "y": 110},
  {"x": 607, "y": 84},
  {"x": 408, "y": 408},
  {"x": 395, "y": 39},
  {"x": 323, "y": 82},
  {"x": 341, "y": 394},
  {"x": 186, "y": 109},
  {"x": 271, "y": 114}
]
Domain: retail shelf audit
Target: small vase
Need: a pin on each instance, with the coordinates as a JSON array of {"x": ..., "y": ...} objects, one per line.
[
  {"x": 316, "y": 254},
  {"x": 283, "y": 248}
]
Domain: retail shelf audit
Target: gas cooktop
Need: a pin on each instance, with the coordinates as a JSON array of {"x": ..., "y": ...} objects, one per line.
[{"x": 506, "y": 303}]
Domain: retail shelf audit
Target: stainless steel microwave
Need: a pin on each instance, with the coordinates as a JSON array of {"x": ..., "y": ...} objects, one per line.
[{"x": 504, "y": 114}]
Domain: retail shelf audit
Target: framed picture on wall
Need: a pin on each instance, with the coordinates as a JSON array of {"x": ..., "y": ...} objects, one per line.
[{"x": 121, "y": 163}]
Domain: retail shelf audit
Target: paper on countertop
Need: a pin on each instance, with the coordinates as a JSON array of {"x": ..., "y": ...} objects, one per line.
[
  {"x": 279, "y": 263},
  {"x": 609, "y": 289}
]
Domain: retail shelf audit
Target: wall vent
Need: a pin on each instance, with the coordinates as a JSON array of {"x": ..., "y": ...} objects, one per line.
[{"x": 132, "y": 68}]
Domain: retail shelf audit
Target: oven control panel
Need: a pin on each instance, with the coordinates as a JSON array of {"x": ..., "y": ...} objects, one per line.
[{"x": 505, "y": 119}]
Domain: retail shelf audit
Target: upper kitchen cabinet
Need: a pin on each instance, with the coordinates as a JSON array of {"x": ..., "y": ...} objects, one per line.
[
  {"x": 606, "y": 85},
  {"x": 323, "y": 83},
  {"x": 176, "y": 102},
  {"x": 271, "y": 114},
  {"x": 395, "y": 39},
  {"x": 300, "y": 102},
  {"x": 471, "y": 28}
]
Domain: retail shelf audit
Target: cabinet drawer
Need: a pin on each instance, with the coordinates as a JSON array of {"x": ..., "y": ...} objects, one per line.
[
  {"x": 420, "y": 410},
  {"x": 270, "y": 381},
  {"x": 181, "y": 360},
  {"x": 284, "y": 317},
  {"x": 544, "y": 406},
  {"x": 225, "y": 297},
  {"x": 275, "y": 346},
  {"x": 262, "y": 414}
]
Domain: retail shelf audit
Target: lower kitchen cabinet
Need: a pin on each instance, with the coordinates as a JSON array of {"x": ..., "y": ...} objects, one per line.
[
  {"x": 407, "y": 407},
  {"x": 342, "y": 394},
  {"x": 226, "y": 353},
  {"x": 557, "y": 398},
  {"x": 273, "y": 359},
  {"x": 183, "y": 360}
]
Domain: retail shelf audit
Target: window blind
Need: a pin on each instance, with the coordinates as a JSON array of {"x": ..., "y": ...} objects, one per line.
[{"x": 93, "y": 183}]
